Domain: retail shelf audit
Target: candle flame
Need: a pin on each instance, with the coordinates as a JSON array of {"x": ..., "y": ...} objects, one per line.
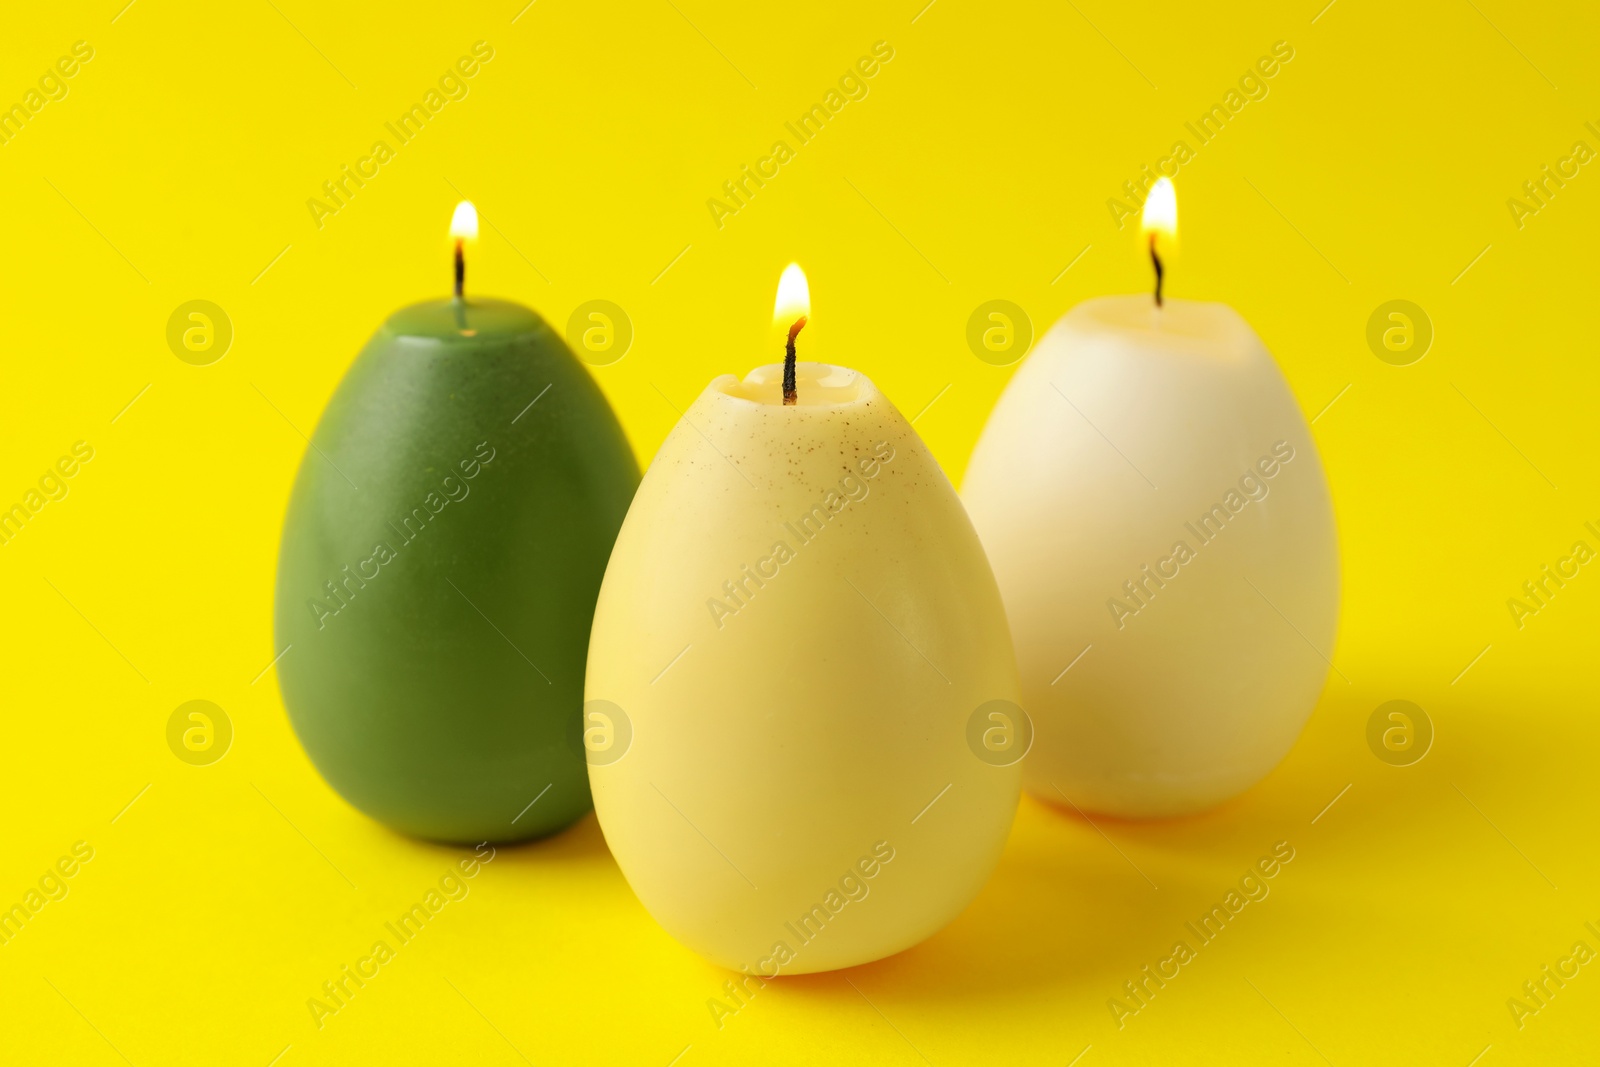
[
  {"x": 1161, "y": 210},
  {"x": 464, "y": 223},
  {"x": 794, "y": 297}
]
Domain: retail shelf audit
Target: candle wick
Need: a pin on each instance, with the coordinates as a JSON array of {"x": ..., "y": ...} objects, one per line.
[
  {"x": 789, "y": 394},
  {"x": 461, "y": 268},
  {"x": 1155, "y": 258}
]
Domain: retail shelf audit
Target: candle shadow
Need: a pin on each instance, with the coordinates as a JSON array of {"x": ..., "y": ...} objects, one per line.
[
  {"x": 1072, "y": 897},
  {"x": 582, "y": 843},
  {"x": 1065, "y": 901},
  {"x": 1079, "y": 903}
]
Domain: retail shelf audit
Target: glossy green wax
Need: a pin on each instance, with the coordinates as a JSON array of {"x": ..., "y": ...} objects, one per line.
[{"x": 441, "y": 558}]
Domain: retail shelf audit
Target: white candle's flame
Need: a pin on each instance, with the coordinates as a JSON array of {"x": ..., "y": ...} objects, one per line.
[
  {"x": 794, "y": 297},
  {"x": 464, "y": 223},
  {"x": 1161, "y": 210}
]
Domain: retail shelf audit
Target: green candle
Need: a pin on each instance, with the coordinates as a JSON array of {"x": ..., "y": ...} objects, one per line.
[{"x": 441, "y": 557}]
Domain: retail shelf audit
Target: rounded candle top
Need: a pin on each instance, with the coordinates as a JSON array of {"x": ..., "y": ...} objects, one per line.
[
  {"x": 817, "y": 385},
  {"x": 472, "y": 319},
  {"x": 1202, "y": 325}
]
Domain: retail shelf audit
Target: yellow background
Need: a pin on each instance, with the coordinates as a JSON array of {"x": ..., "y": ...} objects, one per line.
[{"x": 1379, "y": 167}]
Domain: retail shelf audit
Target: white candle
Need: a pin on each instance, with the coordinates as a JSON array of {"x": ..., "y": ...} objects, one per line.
[
  {"x": 797, "y": 627},
  {"x": 1159, "y": 523}
]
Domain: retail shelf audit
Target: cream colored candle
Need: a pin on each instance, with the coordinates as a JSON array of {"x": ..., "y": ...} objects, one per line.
[
  {"x": 796, "y": 636},
  {"x": 1159, "y": 523}
]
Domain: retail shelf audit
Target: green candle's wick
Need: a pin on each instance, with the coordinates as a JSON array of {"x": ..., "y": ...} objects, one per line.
[
  {"x": 789, "y": 394},
  {"x": 461, "y": 268}
]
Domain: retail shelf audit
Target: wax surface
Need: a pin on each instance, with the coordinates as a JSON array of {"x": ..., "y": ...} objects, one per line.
[
  {"x": 441, "y": 557},
  {"x": 1161, "y": 449},
  {"x": 799, "y": 738}
]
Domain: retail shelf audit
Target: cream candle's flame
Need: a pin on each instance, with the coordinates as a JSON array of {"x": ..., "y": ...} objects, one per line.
[
  {"x": 1159, "y": 222},
  {"x": 1160, "y": 214},
  {"x": 794, "y": 297},
  {"x": 790, "y": 311},
  {"x": 464, "y": 223}
]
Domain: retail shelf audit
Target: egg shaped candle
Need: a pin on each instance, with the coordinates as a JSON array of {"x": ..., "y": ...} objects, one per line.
[
  {"x": 1163, "y": 536},
  {"x": 802, "y": 724},
  {"x": 441, "y": 557}
]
